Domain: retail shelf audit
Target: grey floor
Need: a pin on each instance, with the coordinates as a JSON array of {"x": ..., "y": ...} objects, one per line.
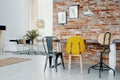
[{"x": 34, "y": 70}]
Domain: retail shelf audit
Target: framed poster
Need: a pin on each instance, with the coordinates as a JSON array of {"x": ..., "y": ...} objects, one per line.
[
  {"x": 62, "y": 18},
  {"x": 73, "y": 11}
]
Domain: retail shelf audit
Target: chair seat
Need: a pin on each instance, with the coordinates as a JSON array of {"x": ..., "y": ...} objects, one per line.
[
  {"x": 58, "y": 53},
  {"x": 55, "y": 53}
]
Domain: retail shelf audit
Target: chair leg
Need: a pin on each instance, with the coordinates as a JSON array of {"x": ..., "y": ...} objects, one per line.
[
  {"x": 69, "y": 65},
  {"x": 101, "y": 67},
  {"x": 62, "y": 61},
  {"x": 100, "y": 71},
  {"x": 56, "y": 63},
  {"x": 89, "y": 70},
  {"x": 46, "y": 63},
  {"x": 50, "y": 61},
  {"x": 81, "y": 68},
  {"x": 109, "y": 68},
  {"x": 92, "y": 67}
]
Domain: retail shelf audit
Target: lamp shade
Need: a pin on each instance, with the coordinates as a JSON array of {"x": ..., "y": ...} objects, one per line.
[
  {"x": 88, "y": 13},
  {"x": 40, "y": 23},
  {"x": 2, "y": 27}
]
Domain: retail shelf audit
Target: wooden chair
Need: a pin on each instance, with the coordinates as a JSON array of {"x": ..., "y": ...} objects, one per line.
[{"x": 75, "y": 47}]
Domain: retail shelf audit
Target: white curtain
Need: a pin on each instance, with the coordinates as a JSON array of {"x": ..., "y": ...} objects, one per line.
[{"x": 33, "y": 14}]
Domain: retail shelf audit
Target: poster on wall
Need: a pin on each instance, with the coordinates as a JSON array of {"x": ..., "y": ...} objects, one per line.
[
  {"x": 62, "y": 18},
  {"x": 73, "y": 11}
]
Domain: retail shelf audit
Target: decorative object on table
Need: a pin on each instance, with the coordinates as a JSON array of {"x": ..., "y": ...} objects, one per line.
[
  {"x": 32, "y": 35},
  {"x": 62, "y": 18},
  {"x": 74, "y": 11}
]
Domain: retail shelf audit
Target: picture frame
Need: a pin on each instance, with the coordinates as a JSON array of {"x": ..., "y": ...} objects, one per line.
[
  {"x": 73, "y": 11},
  {"x": 62, "y": 18}
]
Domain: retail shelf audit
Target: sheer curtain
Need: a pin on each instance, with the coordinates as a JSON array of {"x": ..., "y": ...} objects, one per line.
[
  {"x": 42, "y": 9},
  {"x": 33, "y": 14}
]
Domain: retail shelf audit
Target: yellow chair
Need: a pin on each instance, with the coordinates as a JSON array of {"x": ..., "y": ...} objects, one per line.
[{"x": 75, "y": 47}]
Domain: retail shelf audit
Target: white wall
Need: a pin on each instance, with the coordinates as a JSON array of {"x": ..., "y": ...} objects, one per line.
[
  {"x": 15, "y": 15},
  {"x": 46, "y": 13}
]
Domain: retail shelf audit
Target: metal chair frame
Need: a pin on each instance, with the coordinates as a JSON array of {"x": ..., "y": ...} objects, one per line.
[
  {"x": 50, "y": 54},
  {"x": 101, "y": 65}
]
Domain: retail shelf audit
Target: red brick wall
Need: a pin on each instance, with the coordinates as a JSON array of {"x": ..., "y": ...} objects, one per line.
[{"x": 106, "y": 18}]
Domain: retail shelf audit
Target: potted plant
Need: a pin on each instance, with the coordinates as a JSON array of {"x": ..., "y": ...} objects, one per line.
[{"x": 32, "y": 35}]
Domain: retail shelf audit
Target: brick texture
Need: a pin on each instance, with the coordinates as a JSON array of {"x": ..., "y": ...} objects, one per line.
[{"x": 106, "y": 18}]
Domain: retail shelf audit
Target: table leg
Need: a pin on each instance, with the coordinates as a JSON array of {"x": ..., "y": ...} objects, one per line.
[{"x": 112, "y": 56}]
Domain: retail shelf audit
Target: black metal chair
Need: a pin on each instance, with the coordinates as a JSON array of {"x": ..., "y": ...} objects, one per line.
[
  {"x": 105, "y": 40},
  {"x": 48, "y": 44}
]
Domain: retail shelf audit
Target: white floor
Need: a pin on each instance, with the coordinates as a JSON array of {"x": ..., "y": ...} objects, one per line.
[{"x": 34, "y": 70}]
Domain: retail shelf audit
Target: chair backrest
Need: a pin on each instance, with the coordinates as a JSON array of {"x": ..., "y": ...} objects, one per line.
[
  {"x": 75, "y": 45},
  {"x": 21, "y": 41},
  {"x": 28, "y": 41},
  {"x": 105, "y": 40},
  {"x": 48, "y": 43}
]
